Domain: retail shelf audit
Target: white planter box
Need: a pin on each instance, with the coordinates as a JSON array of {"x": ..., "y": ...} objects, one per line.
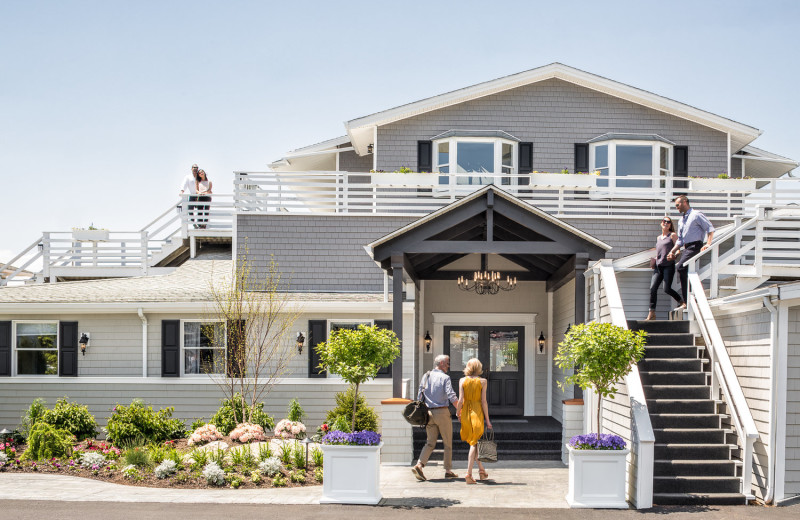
[
  {"x": 90, "y": 235},
  {"x": 571, "y": 180},
  {"x": 351, "y": 474},
  {"x": 406, "y": 179},
  {"x": 729, "y": 185},
  {"x": 597, "y": 478}
]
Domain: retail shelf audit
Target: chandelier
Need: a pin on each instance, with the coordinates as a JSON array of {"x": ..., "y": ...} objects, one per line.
[{"x": 487, "y": 282}]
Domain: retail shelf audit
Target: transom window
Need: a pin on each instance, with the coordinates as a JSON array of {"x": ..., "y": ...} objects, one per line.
[
  {"x": 203, "y": 344},
  {"x": 460, "y": 154},
  {"x": 642, "y": 162},
  {"x": 36, "y": 348},
  {"x": 347, "y": 324}
]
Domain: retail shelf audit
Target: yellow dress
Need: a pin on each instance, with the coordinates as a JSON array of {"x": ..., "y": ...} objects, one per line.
[{"x": 472, "y": 411}]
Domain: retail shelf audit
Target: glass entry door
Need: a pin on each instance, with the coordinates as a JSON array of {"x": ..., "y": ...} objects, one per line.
[{"x": 501, "y": 350}]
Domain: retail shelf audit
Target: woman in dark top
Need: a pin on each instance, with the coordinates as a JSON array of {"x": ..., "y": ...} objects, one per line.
[{"x": 664, "y": 270}]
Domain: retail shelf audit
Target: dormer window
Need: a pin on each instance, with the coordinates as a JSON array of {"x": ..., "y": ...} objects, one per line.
[
  {"x": 631, "y": 160},
  {"x": 470, "y": 151}
]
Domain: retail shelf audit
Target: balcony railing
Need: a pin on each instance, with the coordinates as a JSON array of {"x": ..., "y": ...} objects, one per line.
[{"x": 562, "y": 195}]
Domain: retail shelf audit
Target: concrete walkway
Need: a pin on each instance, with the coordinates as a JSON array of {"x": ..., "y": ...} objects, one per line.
[{"x": 511, "y": 485}]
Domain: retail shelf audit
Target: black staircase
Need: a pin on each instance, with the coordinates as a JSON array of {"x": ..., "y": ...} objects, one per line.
[
  {"x": 693, "y": 460},
  {"x": 518, "y": 438}
]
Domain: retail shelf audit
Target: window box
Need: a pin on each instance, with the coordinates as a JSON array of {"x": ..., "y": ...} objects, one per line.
[
  {"x": 572, "y": 180},
  {"x": 90, "y": 235},
  {"x": 597, "y": 478},
  {"x": 729, "y": 185},
  {"x": 351, "y": 474}
]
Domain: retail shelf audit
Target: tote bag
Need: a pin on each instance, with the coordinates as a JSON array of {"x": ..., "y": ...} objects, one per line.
[{"x": 487, "y": 448}]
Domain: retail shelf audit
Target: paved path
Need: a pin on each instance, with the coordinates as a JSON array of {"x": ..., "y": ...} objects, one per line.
[{"x": 528, "y": 485}]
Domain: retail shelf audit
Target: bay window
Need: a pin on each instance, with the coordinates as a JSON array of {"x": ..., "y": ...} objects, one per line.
[
  {"x": 631, "y": 161},
  {"x": 493, "y": 153}
]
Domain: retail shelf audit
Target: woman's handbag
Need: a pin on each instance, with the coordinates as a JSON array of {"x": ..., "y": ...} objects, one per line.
[
  {"x": 416, "y": 412},
  {"x": 653, "y": 263},
  {"x": 487, "y": 448}
]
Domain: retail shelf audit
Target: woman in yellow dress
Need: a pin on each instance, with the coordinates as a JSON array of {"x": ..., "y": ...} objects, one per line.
[{"x": 472, "y": 409}]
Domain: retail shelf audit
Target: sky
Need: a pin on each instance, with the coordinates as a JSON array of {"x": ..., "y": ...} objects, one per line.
[{"x": 105, "y": 105}]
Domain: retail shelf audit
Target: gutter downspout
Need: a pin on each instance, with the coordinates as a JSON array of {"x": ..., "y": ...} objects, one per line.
[
  {"x": 144, "y": 340},
  {"x": 773, "y": 399}
]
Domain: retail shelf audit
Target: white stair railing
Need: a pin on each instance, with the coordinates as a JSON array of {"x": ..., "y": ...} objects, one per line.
[
  {"x": 723, "y": 377},
  {"x": 37, "y": 246}
]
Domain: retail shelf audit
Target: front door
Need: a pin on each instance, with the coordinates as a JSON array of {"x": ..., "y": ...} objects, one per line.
[{"x": 501, "y": 351}]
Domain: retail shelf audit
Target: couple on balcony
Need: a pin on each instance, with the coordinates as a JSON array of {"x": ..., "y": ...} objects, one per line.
[
  {"x": 198, "y": 187},
  {"x": 692, "y": 228}
]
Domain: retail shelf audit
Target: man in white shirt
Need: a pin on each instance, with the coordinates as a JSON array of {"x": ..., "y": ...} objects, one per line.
[{"x": 190, "y": 186}]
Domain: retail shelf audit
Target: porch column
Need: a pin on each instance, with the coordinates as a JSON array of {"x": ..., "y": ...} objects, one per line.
[
  {"x": 397, "y": 323},
  {"x": 581, "y": 264}
]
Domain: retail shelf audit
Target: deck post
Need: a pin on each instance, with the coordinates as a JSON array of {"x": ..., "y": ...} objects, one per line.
[{"x": 397, "y": 323}]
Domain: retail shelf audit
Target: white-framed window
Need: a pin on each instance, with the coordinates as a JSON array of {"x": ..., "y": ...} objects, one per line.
[
  {"x": 203, "y": 347},
  {"x": 631, "y": 163},
  {"x": 347, "y": 324},
  {"x": 35, "y": 348},
  {"x": 490, "y": 155}
]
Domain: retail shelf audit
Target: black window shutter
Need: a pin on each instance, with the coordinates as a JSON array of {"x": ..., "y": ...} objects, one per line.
[
  {"x": 384, "y": 371},
  {"x": 317, "y": 333},
  {"x": 68, "y": 348},
  {"x": 581, "y": 157},
  {"x": 5, "y": 348},
  {"x": 236, "y": 355},
  {"x": 170, "y": 348},
  {"x": 424, "y": 156},
  {"x": 525, "y": 162},
  {"x": 681, "y": 167}
]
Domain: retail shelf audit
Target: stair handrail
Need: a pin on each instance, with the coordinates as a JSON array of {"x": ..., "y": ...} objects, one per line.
[
  {"x": 10, "y": 263},
  {"x": 724, "y": 376},
  {"x": 641, "y": 426}
]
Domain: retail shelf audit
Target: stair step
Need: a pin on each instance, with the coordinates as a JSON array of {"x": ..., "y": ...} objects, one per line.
[
  {"x": 674, "y": 378},
  {"x": 699, "y": 499},
  {"x": 678, "y": 451},
  {"x": 670, "y": 352},
  {"x": 501, "y": 445},
  {"x": 677, "y": 391},
  {"x": 504, "y": 455},
  {"x": 659, "y": 326},
  {"x": 689, "y": 435},
  {"x": 656, "y": 406},
  {"x": 685, "y": 420},
  {"x": 671, "y": 365},
  {"x": 696, "y": 484},
  {"x": 687, "y": 468},
  {"x": 682, "y": 338}
]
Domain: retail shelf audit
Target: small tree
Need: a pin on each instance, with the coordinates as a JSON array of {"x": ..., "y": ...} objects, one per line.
[
  {"x": 601, "y": 355},
  {"x": 357, "y": 355}
]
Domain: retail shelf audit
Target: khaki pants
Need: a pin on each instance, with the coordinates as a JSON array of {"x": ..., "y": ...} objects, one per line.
[{"x": 439, "y": 422}]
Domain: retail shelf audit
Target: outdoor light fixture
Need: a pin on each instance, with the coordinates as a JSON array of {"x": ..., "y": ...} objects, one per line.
[
  {"x": 487, "y": 282},
  {"x": 541, "y": 342},
  {"x": 370, "y": 147},
  {"x": 428, "y": 341},
  {"x": 306, "y": 441},
  {"x": 300, "y": 341},
  {"x": 5, "y": 432},
  {"x": 84, "y": 342},
  {"x": 569, "y": 326}
]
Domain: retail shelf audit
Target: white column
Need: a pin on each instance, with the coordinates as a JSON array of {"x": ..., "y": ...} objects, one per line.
[{"x": 396, "y": 433}]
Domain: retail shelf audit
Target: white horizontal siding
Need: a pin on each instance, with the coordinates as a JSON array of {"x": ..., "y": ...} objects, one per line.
[
  {"x": 792, "y": 478},
  {"x": 563, "y": 315}
]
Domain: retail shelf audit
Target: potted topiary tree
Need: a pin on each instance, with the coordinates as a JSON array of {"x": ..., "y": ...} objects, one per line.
[
  {"x": 351, "y": 473},
  {"x": 601, "y": 354}
]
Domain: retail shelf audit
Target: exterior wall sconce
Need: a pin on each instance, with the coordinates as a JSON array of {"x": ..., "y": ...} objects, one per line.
[
  {"x": 370, "y": 148},
  {"x": 541, "y": 342},
  {"x": 300, "y": 341},
  {"x": 84, "y": 342},
  {"x": 428, "y": 341},
  {"x": 569, "y": 326}
]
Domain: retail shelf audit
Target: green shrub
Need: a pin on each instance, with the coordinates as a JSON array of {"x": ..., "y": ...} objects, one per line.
[
  {"x": 197, "y": 423},
  {"x": 340, "y": 423},
  {"x": 138, "y": 457},
  {"x": 230, "y": 415},
  {"x": 46, "y": 441},
  {"x": 295, "y": 413},
  {"x": 298, "y": 476},
  {"x": 366, "y": 418},
  {"x": 316, "y": 456},
  {"x": 279, "y": 481},
  {"x": 32, "y": 415},
  {"x": 72, "y": 417},
  {"x": 137, "y": 421},
  {"x": 200, "y": 458},
  {"x": 318, "y": 474},
  {"x": 299, "y": 456}
]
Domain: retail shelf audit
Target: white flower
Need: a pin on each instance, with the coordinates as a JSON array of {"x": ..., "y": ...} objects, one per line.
[
  {"x": 271, "y": 466},
  {"x": 93, "y": 458},
  {"x": 166, "y": 468},
  {"x": 214, "y": 474}
]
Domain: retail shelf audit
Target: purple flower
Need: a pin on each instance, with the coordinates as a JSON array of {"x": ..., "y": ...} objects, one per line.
[
  {"x": 590, "y": 441},
  {"x": 362, "y": 438}
]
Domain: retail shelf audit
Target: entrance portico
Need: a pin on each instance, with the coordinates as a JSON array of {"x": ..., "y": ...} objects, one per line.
[{"x": 489, "y": 230}]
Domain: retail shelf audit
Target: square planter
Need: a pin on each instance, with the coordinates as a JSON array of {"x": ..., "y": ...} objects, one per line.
[
  {"x": 351, "y": 474},
  {"x": 597, "y": 478},
  {"x": 90, "y": 235},
  {"x": 726, "y": 185}
]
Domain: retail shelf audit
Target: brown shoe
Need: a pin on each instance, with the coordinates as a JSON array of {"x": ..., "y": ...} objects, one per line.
[
  {"x": 417, "y": 471},
  {"x": 482, "y": 475},
  {"x": 470, "y": 480},
  {"x": 450, "y": 474},
  {"x": 650, "y": 316}
]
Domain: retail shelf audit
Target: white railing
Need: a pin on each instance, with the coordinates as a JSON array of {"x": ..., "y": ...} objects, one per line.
[
  {"x": 34, "y": 251},
  {"x": 606, "y": 306},
  {"x": 561, "y": 195},
  {"x": 723, "y": 377}
]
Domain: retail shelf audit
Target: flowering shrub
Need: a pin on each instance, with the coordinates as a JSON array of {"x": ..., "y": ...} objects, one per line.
[
  {"x": 213, "y": 474},
  {"x": 204, "y": 434},
  {"x": 362, "y": 438},
  {"x": 271, "y": 466},
  {"x": 130, "y": 471},
  {"x": 91, "y": 459},
  {"x": 165, "y": 469},
  {"x": 287, "y": 429},
  {"x": 129, "y": 424},
  {"x": 247, "y": 432},
  {"x": 8, "y": 450},
  {"x": 590, "y": 441},
  {"x": 110, "y": 452}
]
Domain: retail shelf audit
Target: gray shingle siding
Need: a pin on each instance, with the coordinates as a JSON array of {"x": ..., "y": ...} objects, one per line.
[
  {"x": 553, "y": 114},
  {"x": 352, "y": 162}
]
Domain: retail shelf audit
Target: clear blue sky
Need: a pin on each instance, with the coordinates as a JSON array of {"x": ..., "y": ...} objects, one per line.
[{"x": 104, "y": 105}]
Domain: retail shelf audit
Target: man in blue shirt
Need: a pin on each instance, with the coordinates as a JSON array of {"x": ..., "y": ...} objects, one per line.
[
  {"x": 692, "y": 228},
  {"x": 436, "y": 389}
]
